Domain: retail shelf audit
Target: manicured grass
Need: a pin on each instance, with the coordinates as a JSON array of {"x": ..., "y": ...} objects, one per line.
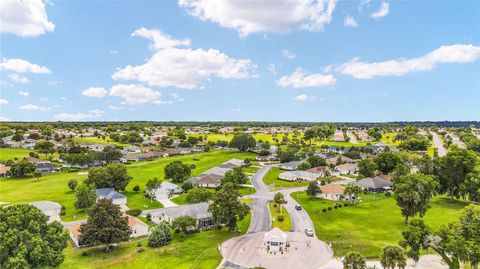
[
  {"x": 387, "y": 138},
  {"x": 96, "y": 140},
  {"x": 180, "y": 199},
  {"x": 371, "y": 225},
  {"x": 11, "y": 154},
  {"x": 246, "y": 190},
  {"x": 53, "y": 187},
  {"x": 250, "y": 169},
  {"x": 286, "y": 224},
  {"x": 345, "y": 144},
  {"x": 272, "y": 177}
]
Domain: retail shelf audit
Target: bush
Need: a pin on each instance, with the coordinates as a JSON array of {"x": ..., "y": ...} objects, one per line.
[
  {"x": 84, "y": 254},
  {"x": 281, "y": 218},
  {"x": 329, "y": 208},
  {"x": 141, "y": 250},
  {"x": 388, "y": 194},
  {"x": 149, "y": 217},
  {"x": 345, "y": 205},
  {"x": 324, "y": 210},
  {"x": 134, "y": 212},
  {"x": 139, "y": 244}
]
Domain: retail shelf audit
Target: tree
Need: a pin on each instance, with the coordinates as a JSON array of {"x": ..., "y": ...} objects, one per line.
[
  {"x": 159, "y": 235},
  {"x": 309, "y": 135},
  {"x": 287, "y": 155},
  {"x": 316, "y": 161},
  {"x": 304, "y": 166},
  {"x": 313, "y": 188},
  {"x": 28, "y": 240},
  {"x": 453, "y": 169},
  {"x": 367, "y": 167},
  {"x": 226, "y": 208},
  {"x": 187, "y": 185},
  {"x": 354, "y": 260},
  {"x": 279, "y": 198},
  {"x": 22, "y": 168},
  {"x": 37, "y": 174},
  {"x": 352, "y": 191},
  {"x": 85, "y": 197},
  {"x": 136, "y": 188},
  {"x": 151, "y": 186},
  {"x": 386, "y": 162},
  {"x": 392, "y": 257},
  {"x": 471, "y": 187},
  {"x": 184, "y": 224},
  {"x": 414, "y": 238},
  {"x": 198, "y": 196},
  {"x": 177, "y": 171},
  {"x": 413, "y": 194},
  {"x": 72, "y": 184},
  {"x": 110, "y": 154},
  {"x": 105, "y": 225},
  {"x": 242, "y": 142},
  {"x": 236, "y": 176},
  {"x": 111, "y": 176},
  {"x": 45, "y": 147}
]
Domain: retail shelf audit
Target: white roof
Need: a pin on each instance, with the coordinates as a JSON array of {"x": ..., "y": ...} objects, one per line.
[
  {"x": 46, "y": 205},
  {"x": 275, "y": 235}
]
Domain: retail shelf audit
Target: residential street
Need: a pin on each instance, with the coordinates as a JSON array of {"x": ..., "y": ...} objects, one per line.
[{"x": 438, "y": 144}]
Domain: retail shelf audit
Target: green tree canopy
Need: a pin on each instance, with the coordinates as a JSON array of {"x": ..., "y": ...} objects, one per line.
[
  {"x": 159, "y": 235},
  {"x": 110, "y": 176},
  {"x": 226, "y": 208},
  {"x": 177, "y": 171},
  {"x": 242, "y": 142}
]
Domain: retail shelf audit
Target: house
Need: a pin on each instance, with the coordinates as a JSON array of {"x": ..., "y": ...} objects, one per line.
[
  {"x": 112, "y": 194},
  {"x": 321, "y": 171},
  {"x": 290, "y": 165},
  {"x": 166, "y": 190},
  {"x": 4, "y": 170},
  {"x": 275, "y": 241},
  {"x": 50, "y": 209},
  {"x": 47, "y": 167},
  {"x": 236, "y": 162},
  {"x": 297, "y": 175},
  {"x": 197, "y": 211},
  {"x": 375, "y": 184},
  {"x": 219, "y": 171},
  {"x": 207, "y": 181},
  {"x": 338, "y": 136},
  {"x": 138, "y": 227},
  {"x": 332, "y": 192},
  {"x": 341, "y": 159},
  {"x": 379, "y": 147},
  {"x": 347, "y": 168},
  {"x": 133, "y": 156},
  {"x": 337, "y": 149},
  {"x": 268, "y": 158}
]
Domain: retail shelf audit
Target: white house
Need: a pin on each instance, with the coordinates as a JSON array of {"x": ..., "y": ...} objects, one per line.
[
  {"x": 197, "y": 211},
  {"x": 166, "y": 190},
  {"x": 112, "y": 194},
  {"x": 290, "y": 165},
  {"x": 297, "y": 175},
  {"x": 332, "y": 192},
  {"x": 51, "y": 209},
  {"x": 347, "y": 168},
  {"x": 275, "y": 241}
]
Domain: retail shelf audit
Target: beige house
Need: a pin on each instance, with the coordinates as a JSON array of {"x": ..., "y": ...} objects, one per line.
[{"x": 332, "y": 192}]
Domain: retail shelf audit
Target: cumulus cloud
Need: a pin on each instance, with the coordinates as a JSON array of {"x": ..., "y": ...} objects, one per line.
[
  {"x": 457, "y": 53},
  {"x": 22, "y": 66},
  {"x": 97, "y": 92},
  {"x": 350, "y": 21},
  {"x": 304, "y": 97},
  {"x": 22, "y": 93},
  {"x": 382, "y": 11},
  {"x": 3, "y": 101},
  {"x": 249, "y": 17},
  {"x": 171, "y": 66},
  {"x": 18, "y": 79},
  {"x": 134, "y": 94},
  {"x": 90, "y": 115},
  {"x": 34, "y": 107},
  {"x": 289, "y": 55},
  {"x": 300, "y": 79},
  {"x": 24, "y": 18}
]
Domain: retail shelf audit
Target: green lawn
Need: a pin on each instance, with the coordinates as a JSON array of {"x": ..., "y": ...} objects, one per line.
[
  {"x": 369, "y": 226},
  {"x": 286, "y": 224},
  {"x": 272, "y": 177},
  {"x": 181, "y": 199},
  {"x": 192, "y": 251},
  {"x": 10, "y": 154},
  {"x": 96, "y": 140},
  {"x": 387, "y": 138},
  {"x": 246, "y": 191},
  {"x": 53, "y": 187}
]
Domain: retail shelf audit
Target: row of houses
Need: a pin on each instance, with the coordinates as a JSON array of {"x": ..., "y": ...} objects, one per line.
[
  {"x": 212, "y": 178},
  {"x": 150, "y": 155},
  {"x": 335, "y": 191}
]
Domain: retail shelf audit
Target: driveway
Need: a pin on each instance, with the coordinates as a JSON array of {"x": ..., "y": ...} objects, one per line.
[
  {"x": 438, "y": 144},
  {"x": 167, "y": 203}
]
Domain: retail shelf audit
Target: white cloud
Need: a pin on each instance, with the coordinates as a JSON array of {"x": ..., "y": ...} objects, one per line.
[
  {"x": 350, "y": 21},
  {"x": 3, "y": 102},
  {"x": 185, "y": 68},
  {"x": 304, "y": 97},
  {"x": 17, "y": 78},
  {"x": 272, "y": 68},
  {"x": 63, "y": 98},
  {"x": 133, "y": 94},
  {"x": 299, "y": 79},
  {"x": 2, "y": 118},
  {"x": 289, "y": 55},
  {"x": 97, "y": 92},
  {"x": 34, "y": 107},
  {"x": 22, "y": 66},
  {"x": 249, "y": 17},
  {"x": 458, "y": 53},
  {"x": 114, "y": 107},
  {"x": 22, "y": 93},
  {"x": 177, "y": 97},
  {"x": 90, "y": 115},
  {"x": 382, "y": 11},
  {"x": 24, "y": 18}
]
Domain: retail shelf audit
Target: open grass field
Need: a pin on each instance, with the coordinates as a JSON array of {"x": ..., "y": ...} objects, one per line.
[
  {"x": 272, "y": 178},
  {"x": 96, "y": 140},
  {"x": 387, "y": 138},
  {"x": 286, "y": 224},
  {"x": 371, "y": 225},
  {"x": 53, "y": 187},
  {"x": 11, "y": 154},
  {"x": 192, "y": 251},
  {"x": 181, "y": 199}
]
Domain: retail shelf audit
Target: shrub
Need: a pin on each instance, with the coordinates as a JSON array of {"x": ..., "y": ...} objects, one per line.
[
  {"x": 134, "y": 212},
  {"x": 84, "y": 254},
  {"x": 329, "y": 208},
  {"x": 149, "y": 217},
  {"x": 281, "y": 218},
  {"x": 141, "y": 250},
  {"x": 388, "y": 194},
  {"x": 139, "y": 244},
  {"x": 345, "y": 205},
  {"x": 324, "y": 210},
  {"x": 136, "y": 188}
]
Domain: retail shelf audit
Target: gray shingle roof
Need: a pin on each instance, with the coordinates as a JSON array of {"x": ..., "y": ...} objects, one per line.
[
  {"x": 374, "y": 183},
  {"x": 197, "y": 211},
  {"x": 108, "y": 193}
]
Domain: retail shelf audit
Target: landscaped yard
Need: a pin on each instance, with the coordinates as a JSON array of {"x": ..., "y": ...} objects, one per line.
[
  {"x": 53, "y": 187},
  {"x": 272, "y": 178},
  {"x": 369, "y": 226},
  {"x": 286, "y": 224},
  {"x": 198, "y": 250},
  {"x": 96, "y": 140}
]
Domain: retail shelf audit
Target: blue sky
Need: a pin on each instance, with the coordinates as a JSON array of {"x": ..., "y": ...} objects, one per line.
[{"x": 237, "y": 61}]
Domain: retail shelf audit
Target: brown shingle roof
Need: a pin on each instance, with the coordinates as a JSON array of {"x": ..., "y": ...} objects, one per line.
[{"x": 332, "y": 189}]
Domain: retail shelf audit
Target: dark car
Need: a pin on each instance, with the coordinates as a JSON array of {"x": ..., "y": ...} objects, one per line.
[{"x": 298, "y": 207}]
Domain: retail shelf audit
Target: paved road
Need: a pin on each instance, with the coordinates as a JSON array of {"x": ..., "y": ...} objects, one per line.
[
  {"x": 438, "y": 144},
  {"x": 260, "y": 221},
  {"x": 300, "y": 218}
]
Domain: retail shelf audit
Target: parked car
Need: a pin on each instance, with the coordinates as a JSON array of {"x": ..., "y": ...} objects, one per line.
[
  {"x": 298, "y": 207},
  {"x": 309, "y": 232}
]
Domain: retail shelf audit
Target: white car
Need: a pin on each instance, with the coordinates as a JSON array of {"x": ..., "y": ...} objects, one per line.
[{"x": 309, "y": 232}]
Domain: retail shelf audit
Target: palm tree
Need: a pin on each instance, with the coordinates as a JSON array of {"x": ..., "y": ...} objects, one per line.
[
  {"x": 393, "y": 257},
  {"x": 354, "y": 260}
]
